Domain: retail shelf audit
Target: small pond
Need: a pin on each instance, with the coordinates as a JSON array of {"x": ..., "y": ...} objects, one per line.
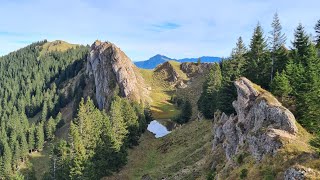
[{"x": 161, "y": 127}]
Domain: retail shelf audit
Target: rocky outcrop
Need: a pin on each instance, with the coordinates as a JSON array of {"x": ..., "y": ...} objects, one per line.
[
  {"x": 192, "y": 69},
  {"x": 113, "y": 73},
  {"x": 300, "y": 172},
  {"x": 171, "y": 74},
  {"x": 260, "y": 124}
]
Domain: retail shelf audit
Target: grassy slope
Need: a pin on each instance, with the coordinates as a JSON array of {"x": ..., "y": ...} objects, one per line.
[
  {"x": 57, "y": 45},
  {"x": 182, "y": 154},
  {"x": 161, "y": 93}
]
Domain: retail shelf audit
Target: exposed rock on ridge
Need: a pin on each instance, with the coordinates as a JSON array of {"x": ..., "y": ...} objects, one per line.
[
  {"x": 113, "y": 72},
  {"x": 260, "y": 124}
]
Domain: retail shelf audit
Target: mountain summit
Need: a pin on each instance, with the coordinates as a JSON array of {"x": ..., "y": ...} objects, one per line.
[{"x": 111, "y": 70}]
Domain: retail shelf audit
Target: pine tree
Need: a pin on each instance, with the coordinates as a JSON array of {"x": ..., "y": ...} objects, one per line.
[
  {"x": 50, "y": 128},
  {"x": 7, "y": 157},
  {"x": 23, "y": 147},
  {"x": 209, "y": 99},
  {"x": 39, "y": 138},
  {"x": 236, "y": 68},
  {"x": 186, "y": 112},
  {"x": 119, "y": 128},
  {"x": 258, "y": 65},
  {"x": 130, "y": 117},
  {"x": 78, "y": 153},
  {"x": 280, "y": 85},
  {"x": 44, "y": 112},
  {"x": 317, "y": 30},
  {"x": 31, "y": 137},
  {"x": 301, "y": 46},
  {"x": 277, "y": 42},
  {"x": 16, "y": 155}
]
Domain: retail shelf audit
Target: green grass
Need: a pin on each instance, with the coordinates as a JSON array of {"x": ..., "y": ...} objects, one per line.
[
  {"x": 161, "y": 93},
  {"x": 183, "y": 153},
  {"x": 40, "y": 161},
  {"x": 57, "y": 45}
]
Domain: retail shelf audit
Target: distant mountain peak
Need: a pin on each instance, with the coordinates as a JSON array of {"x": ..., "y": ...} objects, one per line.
[{"x": 154, "y": 61}]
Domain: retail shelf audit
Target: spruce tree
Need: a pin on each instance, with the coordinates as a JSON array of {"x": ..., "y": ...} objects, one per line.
[
  {"x": 50, "y": 128},
  {"x": 186, "y": 112},
  {"x": 39, "y": 137},
  {"x": 78, "y": 153},
  {"x": 280, "y": 85},
  {"x": 258, "y": 65},
  {"x": 317, "y": 30},
  {"x": 209, "y": 99},
  {"x": 44, "y": 112},
  {"x": 277, "y": 41},
  {"x": 119, "y": 127},
  {"x": 131, "y": 119},
  {"x": 31, "y": 137},
  {"x": 301, "y": 46}
]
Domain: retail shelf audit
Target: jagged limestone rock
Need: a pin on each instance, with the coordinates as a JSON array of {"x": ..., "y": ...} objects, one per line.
[
  {"x": 112, "y": 72},
  {"x": 300, "y": 173},
  {"x": 171, "y": 74},
  {"x": 192, "y": 69},
  {"x": 260, "y": 123}
]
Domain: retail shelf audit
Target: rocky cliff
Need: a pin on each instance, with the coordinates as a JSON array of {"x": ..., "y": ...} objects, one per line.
[
  {"x": 113, "y": 73},
  {"x": 260, "y": 124}
]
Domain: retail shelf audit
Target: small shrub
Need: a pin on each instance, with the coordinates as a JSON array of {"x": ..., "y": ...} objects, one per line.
[
  {"x": 243, "y": 173},
  {"x": 240, "y": 158},
  {"x": 211, "y": 175},
  {"x": 268, "y": 174}
]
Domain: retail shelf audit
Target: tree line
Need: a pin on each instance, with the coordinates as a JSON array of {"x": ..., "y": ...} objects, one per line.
[
  {"x": 291, "y": 74},
  {"x": 98, "y": 140}
]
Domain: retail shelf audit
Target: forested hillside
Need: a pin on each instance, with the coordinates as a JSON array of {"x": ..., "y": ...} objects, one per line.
[{"x": 31, "y": 83}]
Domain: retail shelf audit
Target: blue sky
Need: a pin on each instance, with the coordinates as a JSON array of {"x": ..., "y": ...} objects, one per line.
[{"x": 143, "y": 28}]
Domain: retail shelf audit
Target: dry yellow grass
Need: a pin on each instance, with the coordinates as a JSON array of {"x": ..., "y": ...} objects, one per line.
[{"x": 57, "y": 45}]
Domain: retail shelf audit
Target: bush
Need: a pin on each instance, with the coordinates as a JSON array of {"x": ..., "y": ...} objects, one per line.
[
  {"x": 211, "y": 175},
  {"x": 268, "y": 174},
  {"x": 243, "y": 173},
  {"x": 240, "y": 158}
]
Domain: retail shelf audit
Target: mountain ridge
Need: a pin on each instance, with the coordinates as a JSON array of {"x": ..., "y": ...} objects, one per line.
[{"x": 154, "y": 61}]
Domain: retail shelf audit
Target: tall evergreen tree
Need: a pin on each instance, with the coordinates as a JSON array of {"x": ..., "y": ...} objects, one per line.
[
  {"x": 258, "y": 65},
  {"x": 277, "y": 41},
  {"x": 31, "y": 137},
  {"x": 50, "y": 128},
  {"x": 78, "y": 155},
  {"x": 119, "y": 127},
  {"x": 39, "y": 136},
  {"x": 317, "y": 30},
  {"x": 208, "y": 101}
]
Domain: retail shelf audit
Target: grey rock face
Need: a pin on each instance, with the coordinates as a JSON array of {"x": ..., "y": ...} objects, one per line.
[
  {"x": 258, "y": 126},
  {"x": 112, "y": 71},
  {"x": 300, "y": 173},
  {"x": 192, "y": 69}
]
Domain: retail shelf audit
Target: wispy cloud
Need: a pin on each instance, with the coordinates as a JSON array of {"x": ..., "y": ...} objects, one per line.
[{"x": 165, "y": 26}]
